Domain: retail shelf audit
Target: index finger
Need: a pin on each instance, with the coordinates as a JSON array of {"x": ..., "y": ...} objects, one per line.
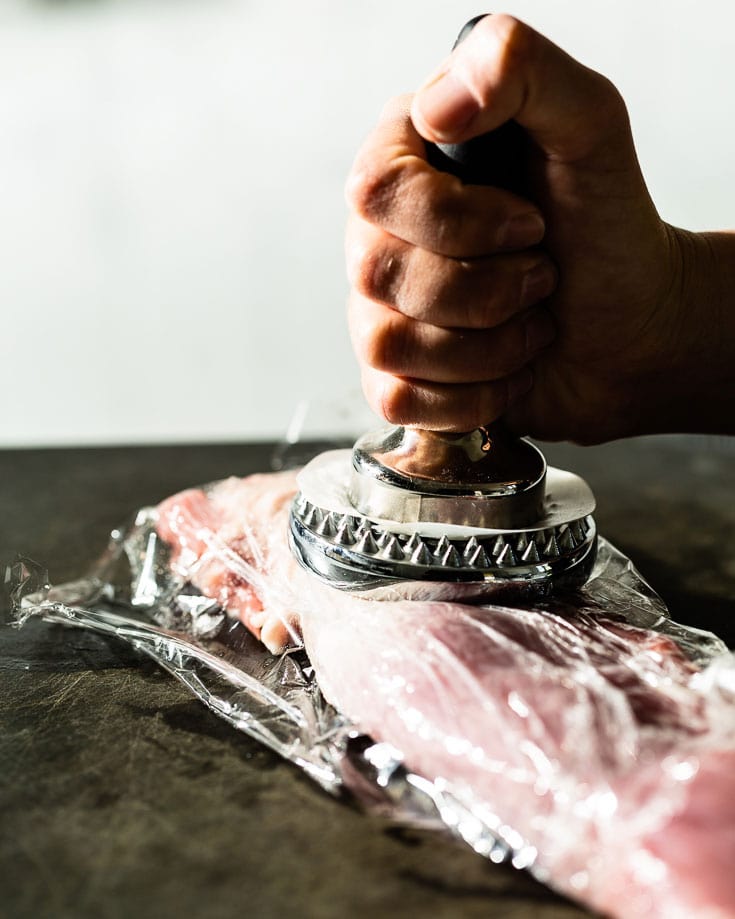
[{"x": 393, "y": 186}]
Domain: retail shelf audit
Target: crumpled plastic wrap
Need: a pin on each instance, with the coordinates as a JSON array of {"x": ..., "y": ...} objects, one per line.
[{"x": 144, "y": 593}]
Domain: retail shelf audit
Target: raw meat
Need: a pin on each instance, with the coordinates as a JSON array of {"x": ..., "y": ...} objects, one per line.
[
  {"x": 230, "y": 541},
  {"x": 598, "y": 748}
]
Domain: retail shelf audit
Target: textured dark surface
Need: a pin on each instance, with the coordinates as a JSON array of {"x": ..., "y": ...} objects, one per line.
[{"x": 120, "y": 796}]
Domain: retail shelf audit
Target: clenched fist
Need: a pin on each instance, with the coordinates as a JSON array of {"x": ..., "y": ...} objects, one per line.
[{"x": 579, "y": 314}]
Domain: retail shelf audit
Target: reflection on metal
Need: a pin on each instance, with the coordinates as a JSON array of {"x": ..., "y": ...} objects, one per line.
[
  {"x": 407, "y": 508},
  {"x": 483, "y": 478}
]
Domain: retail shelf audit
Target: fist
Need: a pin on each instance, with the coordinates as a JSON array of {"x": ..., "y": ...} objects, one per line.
[{"x": 468, "y": 302}]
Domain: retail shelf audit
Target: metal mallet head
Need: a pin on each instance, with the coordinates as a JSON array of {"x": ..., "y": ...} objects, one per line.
[{"x": 412, "y": 513}]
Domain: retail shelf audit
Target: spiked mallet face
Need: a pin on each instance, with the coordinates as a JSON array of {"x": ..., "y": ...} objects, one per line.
[{"x": 362, "y": 523}]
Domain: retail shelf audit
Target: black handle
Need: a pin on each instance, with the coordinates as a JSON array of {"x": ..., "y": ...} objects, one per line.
[{"x": 497, "y": 158}]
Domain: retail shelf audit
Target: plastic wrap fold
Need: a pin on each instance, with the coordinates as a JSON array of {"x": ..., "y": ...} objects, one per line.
[{"x": 573, "y": 738}]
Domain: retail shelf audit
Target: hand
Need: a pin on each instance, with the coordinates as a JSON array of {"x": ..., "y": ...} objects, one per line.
[{"x": 574, "y": 316}]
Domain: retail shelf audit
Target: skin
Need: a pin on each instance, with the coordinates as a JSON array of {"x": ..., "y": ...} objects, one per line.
[{"x": 582, "y": 316}]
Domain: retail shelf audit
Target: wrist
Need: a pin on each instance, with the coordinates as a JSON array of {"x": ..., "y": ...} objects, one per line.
[{"x": 698, "y": 388}]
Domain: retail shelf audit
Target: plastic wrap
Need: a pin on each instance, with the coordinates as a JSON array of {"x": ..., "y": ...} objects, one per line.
[{"x": 574, "y": 738}]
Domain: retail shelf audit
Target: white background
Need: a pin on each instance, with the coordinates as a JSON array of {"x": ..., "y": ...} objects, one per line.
[{"x": 171, "y": 207}]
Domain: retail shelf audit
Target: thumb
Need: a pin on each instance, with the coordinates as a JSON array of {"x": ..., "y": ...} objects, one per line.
[{"x": 505, "y": 70}]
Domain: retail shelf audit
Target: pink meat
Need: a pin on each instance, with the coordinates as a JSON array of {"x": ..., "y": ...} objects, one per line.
[
  {"x": 228, "y": 541},
  {"x": 596, "y": 744}
]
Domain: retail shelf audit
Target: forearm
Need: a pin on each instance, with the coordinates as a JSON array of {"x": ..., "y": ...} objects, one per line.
[{"x": 703, "y": 381}]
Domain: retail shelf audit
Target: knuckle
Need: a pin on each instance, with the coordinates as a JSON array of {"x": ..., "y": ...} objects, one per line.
[
  {"x": 379, "y": 274},
  {"x": 371, "y": 191},
  {"x": 376, "y": 174},
  {"x": 377, "y": 348},
  {"x": 606, "y": 104},
  {"x": 609, "y": 95},
  {"x": 384, "y": 346},
  {"x": 362, "y": 258},
  {"x": 518, "y": 42},
  {"x": 397, "y": 401},
  {"x": 372, "y": 388}
]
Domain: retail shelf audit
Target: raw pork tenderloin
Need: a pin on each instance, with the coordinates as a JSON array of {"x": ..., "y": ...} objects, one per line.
[{"x": 600, "y": 744}]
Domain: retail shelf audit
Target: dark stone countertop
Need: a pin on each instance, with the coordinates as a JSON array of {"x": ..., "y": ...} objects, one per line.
[{"x": 121, "y": 796}]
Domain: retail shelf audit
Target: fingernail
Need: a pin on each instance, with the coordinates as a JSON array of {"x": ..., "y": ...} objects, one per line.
[
  {"x": 537, "y": 283},
  {"x": 446, "y": 104},
  {"x": 519, "y": 384},
  {"x": 540, "y": 331},
  {"x": 523, "y": 230}
]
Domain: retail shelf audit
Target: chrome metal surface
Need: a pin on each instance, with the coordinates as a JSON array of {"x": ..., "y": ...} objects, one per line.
[
  {"x": 377, "y": 556},
  {"x": 378, "y": 559},
  {"x": 325, "y": 483},
  {"x": 483, "y": 478}
]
